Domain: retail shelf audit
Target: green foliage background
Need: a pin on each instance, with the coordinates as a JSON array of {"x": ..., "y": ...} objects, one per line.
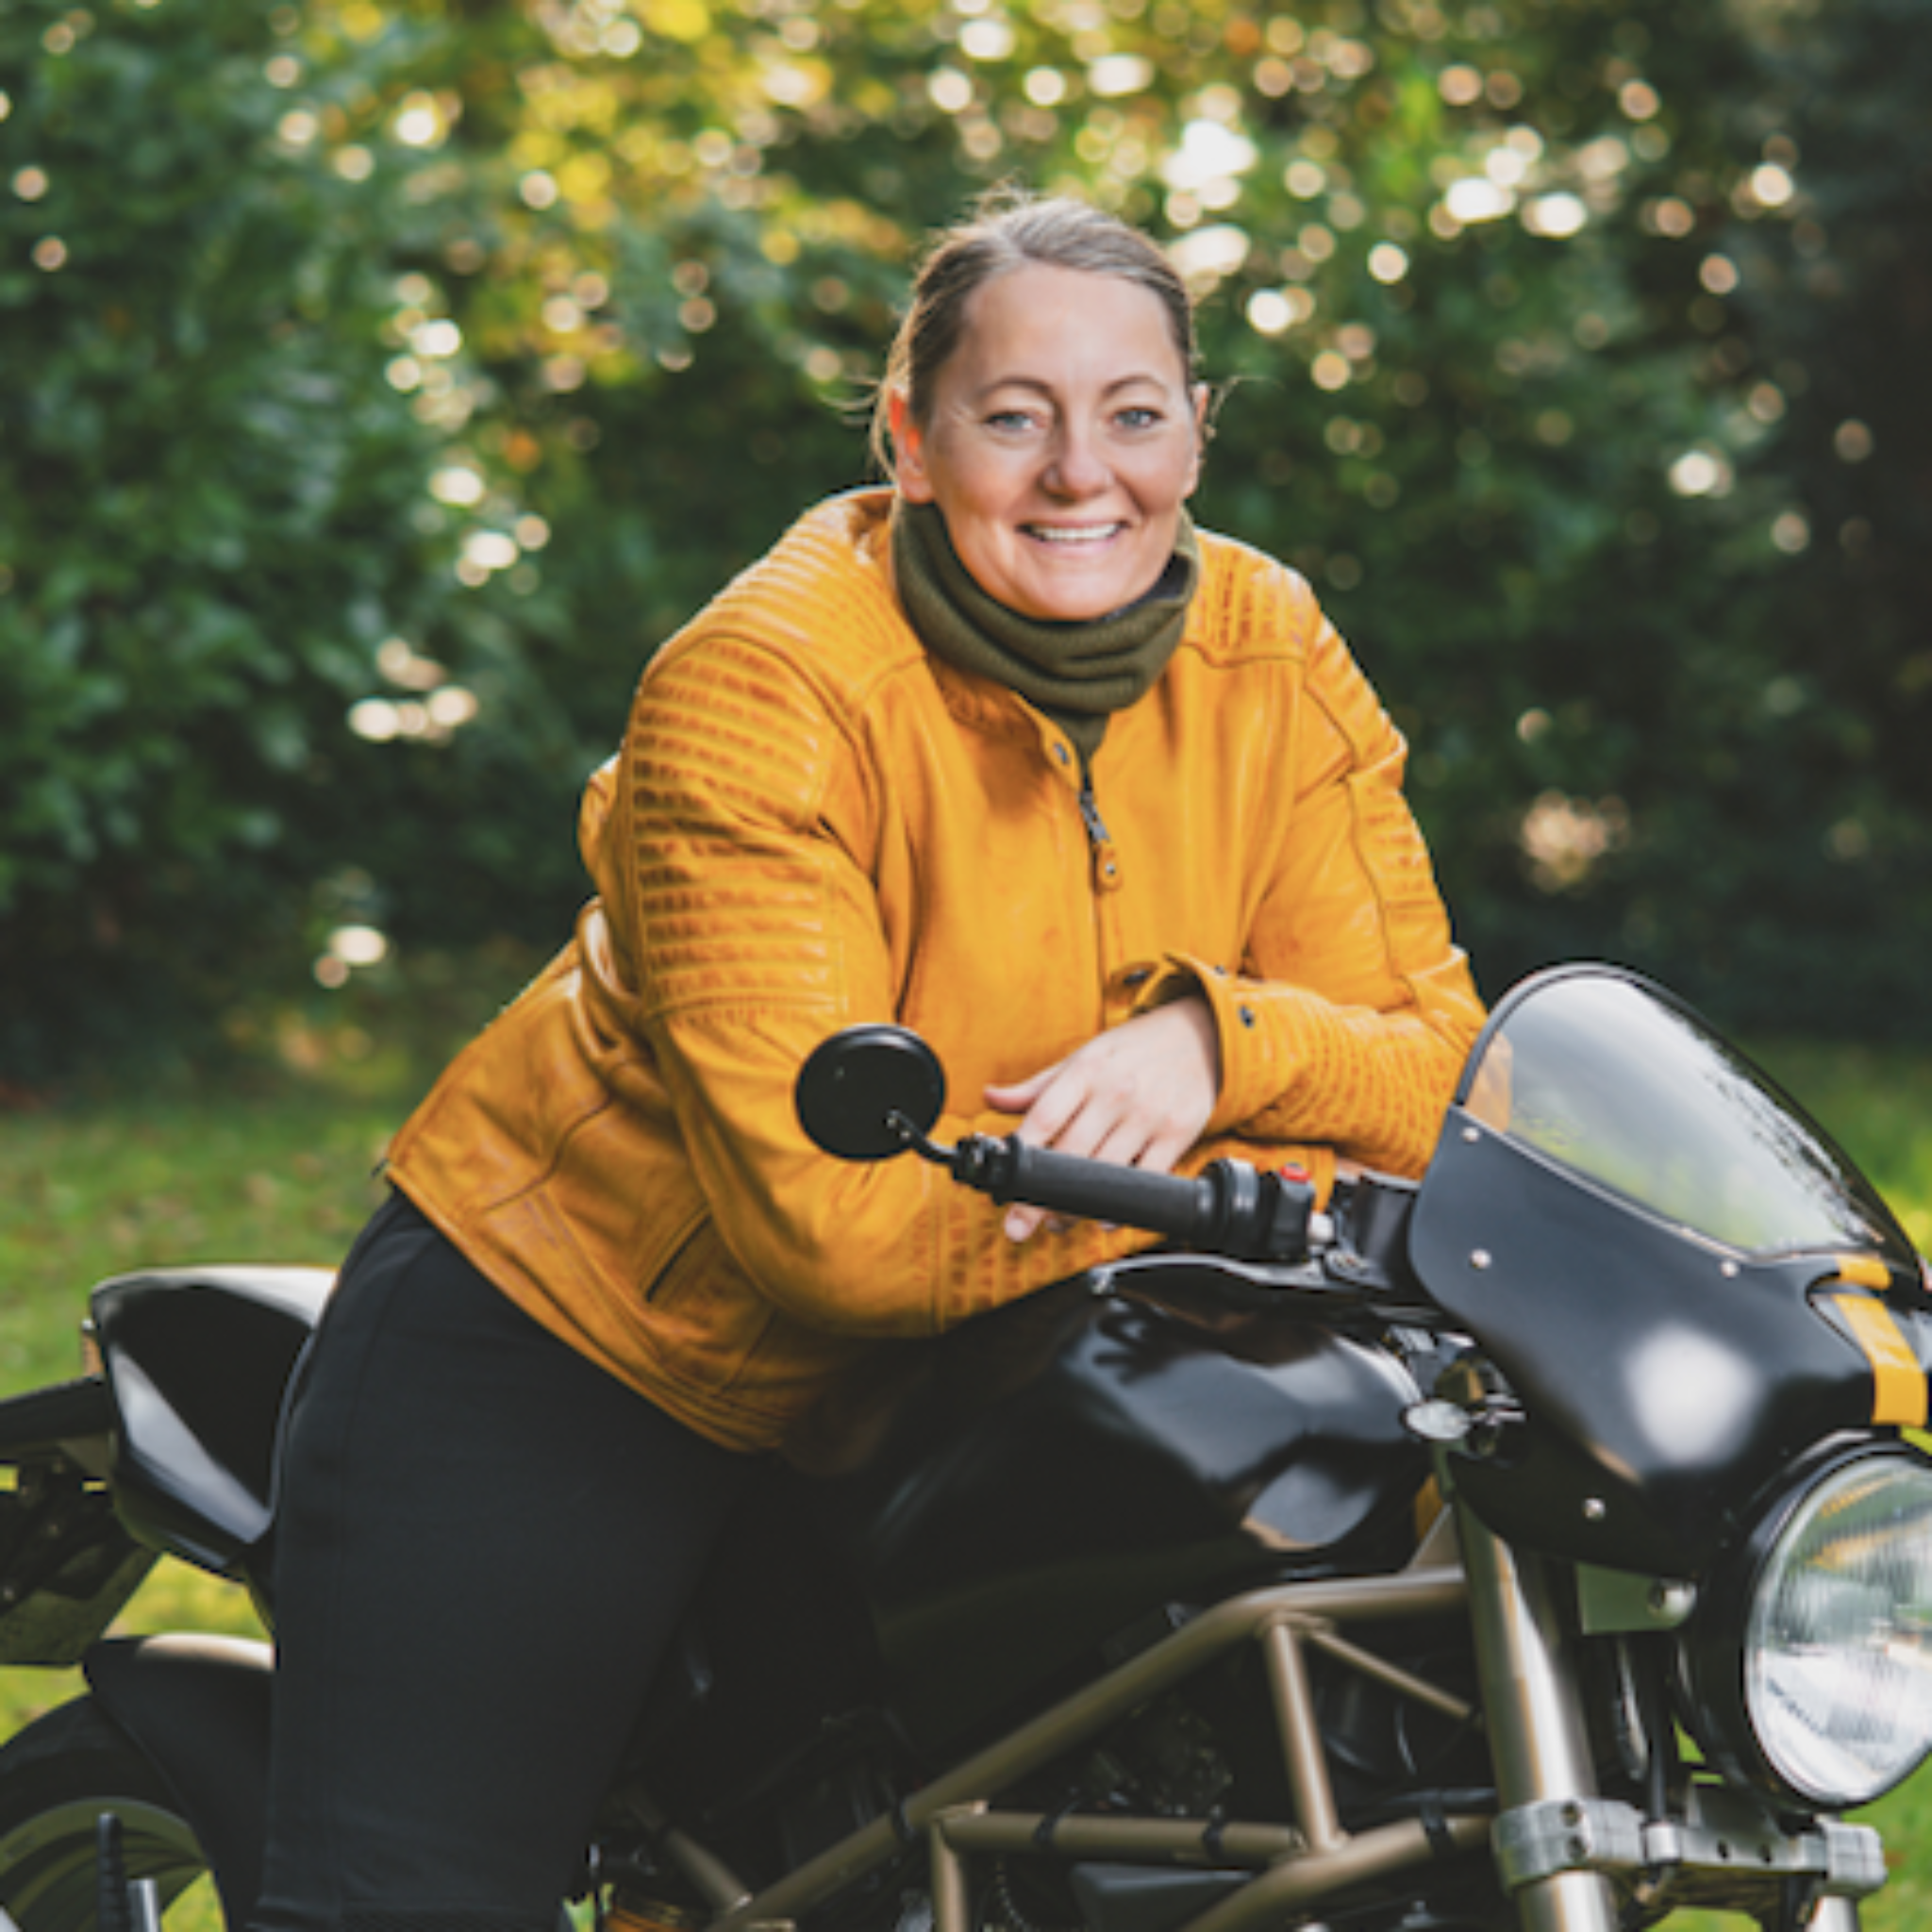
[{"x": 381, "y": 380}]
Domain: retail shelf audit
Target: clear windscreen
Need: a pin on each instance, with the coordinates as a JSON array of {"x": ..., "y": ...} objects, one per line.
[{"x": 1600, "y": 1076}]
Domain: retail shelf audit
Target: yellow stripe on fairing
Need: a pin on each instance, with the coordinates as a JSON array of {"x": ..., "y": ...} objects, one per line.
[
  {"x": 1898, "y": 1383},
  {"x": 1863, "y": 1271}
]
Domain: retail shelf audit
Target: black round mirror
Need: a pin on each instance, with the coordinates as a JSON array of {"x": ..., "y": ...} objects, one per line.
[{"x": 858, "y": 1080}]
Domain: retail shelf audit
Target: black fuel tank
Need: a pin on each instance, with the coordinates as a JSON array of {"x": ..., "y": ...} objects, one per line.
[{"x": 1153, "y": 1433}]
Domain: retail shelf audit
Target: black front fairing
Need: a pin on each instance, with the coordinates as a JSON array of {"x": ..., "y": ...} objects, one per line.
[
  {"x": 1149, "y": 1435},
  {"x": 1659, "y": 1390},
  {"x": 1653, "y": 1246}
]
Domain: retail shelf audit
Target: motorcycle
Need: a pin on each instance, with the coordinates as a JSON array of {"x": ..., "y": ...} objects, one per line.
[{"x": 1543, "y": 1544}]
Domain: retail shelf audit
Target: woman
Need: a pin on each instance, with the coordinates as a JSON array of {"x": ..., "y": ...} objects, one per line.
[{"x": 1007, "y": 752}]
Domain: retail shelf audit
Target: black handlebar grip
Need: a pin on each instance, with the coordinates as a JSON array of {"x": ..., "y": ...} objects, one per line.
[
  {"x": 1231, "y": 1208},
  {"x": 1090, "y": 1190}
]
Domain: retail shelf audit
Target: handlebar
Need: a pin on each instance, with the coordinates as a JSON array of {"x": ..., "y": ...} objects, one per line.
[{"x": 1229, "y": 1209}]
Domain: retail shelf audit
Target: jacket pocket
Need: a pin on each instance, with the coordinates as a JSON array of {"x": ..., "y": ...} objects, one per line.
[{"x": 705, "y": 1314}]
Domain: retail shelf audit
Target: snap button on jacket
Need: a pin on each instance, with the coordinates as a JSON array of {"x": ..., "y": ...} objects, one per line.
[{"x": 813, "y": 823}]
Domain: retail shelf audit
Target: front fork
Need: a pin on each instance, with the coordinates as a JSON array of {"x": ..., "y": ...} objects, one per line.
[
  {"x": 1539, "y": 1744},
  {"x": 1539, "y": 1741}
]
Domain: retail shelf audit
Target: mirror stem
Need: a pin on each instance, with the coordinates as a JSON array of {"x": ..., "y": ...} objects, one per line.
[{"x": 908, "y": 1132}]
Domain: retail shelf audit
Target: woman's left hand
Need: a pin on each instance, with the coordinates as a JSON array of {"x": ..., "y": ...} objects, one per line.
[{"x": 1140, "y": 1095}]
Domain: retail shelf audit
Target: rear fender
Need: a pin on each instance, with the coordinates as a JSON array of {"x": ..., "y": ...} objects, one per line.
[{"x": 198, "y": 1709}]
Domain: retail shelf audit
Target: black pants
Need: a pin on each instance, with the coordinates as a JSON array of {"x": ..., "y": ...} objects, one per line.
[{"x": 485, "y": 1543}]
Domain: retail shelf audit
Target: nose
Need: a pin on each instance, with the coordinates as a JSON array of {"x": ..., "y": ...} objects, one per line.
[{"x": 1077, "y": 467}]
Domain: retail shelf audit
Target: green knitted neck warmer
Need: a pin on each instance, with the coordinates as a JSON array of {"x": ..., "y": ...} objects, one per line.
[{"x": 1075, "y": 673}]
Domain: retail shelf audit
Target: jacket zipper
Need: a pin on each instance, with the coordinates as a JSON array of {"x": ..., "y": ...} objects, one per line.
[{"x": 1106, "y": 865}]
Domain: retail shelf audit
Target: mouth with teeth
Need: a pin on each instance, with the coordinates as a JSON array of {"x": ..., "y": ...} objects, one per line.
[{"x": 1063, "y": 534}]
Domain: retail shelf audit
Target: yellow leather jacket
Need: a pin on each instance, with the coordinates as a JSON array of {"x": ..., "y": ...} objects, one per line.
[{"x": 813, "y": 823}]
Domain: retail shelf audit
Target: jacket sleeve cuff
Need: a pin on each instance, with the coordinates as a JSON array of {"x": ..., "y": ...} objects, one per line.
[{"x": 1269, "y": 1033}]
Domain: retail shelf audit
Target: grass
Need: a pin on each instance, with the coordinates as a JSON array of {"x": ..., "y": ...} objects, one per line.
[{"x": 273, "y": 1162}]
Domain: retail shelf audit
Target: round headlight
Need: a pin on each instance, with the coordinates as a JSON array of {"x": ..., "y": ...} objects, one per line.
[{"x": 1837, "y": 1645}]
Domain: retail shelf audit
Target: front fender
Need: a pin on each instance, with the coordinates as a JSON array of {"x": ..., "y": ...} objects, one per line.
[{"x": 198, "y": 1708}]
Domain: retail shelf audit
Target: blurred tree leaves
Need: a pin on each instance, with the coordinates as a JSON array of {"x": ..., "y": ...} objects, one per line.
[
  {"x": 381, "y": 380},
  {"x": 206, "y": 513}
]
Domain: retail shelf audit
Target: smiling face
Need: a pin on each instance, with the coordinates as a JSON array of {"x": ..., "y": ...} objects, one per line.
[{"x": 1061, "y": 441}]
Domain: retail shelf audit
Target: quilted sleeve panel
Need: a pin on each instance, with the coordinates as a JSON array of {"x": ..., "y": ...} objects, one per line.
[{"x": 737, "y": 884}]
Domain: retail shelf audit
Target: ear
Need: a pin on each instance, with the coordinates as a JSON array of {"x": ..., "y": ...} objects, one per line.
[
  {"x": 908, "y": 450},
  {"x": 1202, "y": 400}
]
